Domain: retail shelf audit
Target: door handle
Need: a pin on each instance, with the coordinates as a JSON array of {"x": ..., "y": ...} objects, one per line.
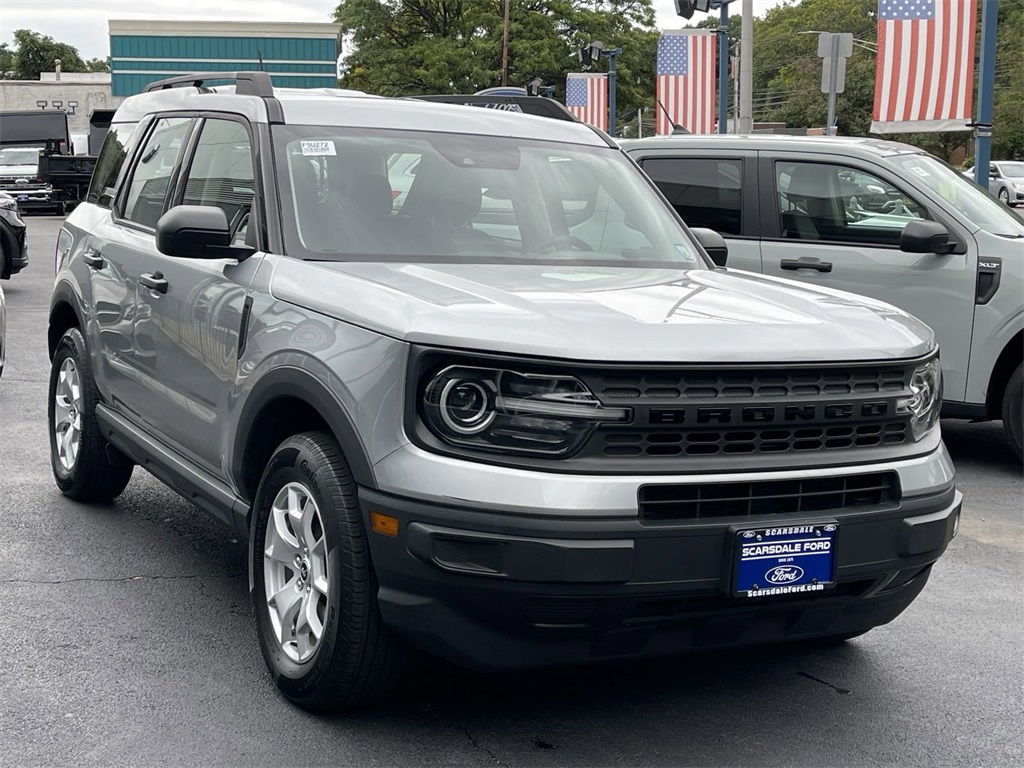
[
  {"x": 94, "y": 259},
  {"x": 794, "y": 264},
  {"x": 155, "y": 282}
]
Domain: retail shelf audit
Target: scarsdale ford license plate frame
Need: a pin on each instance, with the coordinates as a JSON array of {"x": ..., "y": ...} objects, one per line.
[{"x": 785, "y": 559}]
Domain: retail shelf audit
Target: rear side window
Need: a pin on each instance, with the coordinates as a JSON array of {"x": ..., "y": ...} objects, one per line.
[
  {"x": 147, "y": 189},
  {"x": 108, "y": 166},
  {"x": 221, "y": 174},
  {"x": 705, "y": 192}
]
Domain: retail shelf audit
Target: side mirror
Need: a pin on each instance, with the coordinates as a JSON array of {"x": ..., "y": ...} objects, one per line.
[
  {"x": 195, "y": 232},
  {"x": 920, "y": 236},
  {"x": 713, "y": 243}
]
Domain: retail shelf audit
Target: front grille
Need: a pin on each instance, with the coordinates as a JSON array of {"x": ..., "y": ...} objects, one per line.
[
  {"x": 625, "y": 444},
  {"x": 695, "y": 412},
  {"x": 768, "y": 497},
  {"x": 664, "y": 386}
]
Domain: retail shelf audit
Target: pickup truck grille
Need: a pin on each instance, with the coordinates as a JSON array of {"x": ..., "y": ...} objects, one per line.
[
  {"x": 768, "y": 410},
  {"x": 769, "y": 497}
]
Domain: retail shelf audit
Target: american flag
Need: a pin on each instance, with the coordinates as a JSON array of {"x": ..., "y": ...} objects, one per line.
[
  {"x": 686, "y": 81},
  {"x": 925, "y": 70},
  {"x": 586, "y": 96}
]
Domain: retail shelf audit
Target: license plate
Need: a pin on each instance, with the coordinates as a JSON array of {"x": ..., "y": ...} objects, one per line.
[
  {"x": 785, "y": 560},
  {"x": 23, "y": 197}
]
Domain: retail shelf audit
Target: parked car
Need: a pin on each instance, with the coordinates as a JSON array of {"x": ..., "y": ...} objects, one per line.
[
  {"x": 938, "y": 247},
  {"x": 519, "y": 420},
  {"x": 1005, "y": 181},
  {"x": 13, "y": 242}
]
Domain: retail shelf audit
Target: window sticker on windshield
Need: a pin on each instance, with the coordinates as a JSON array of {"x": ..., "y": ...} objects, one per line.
[
  {"x": 919, "y": 171},
  {"x": 318, "y": 149},
  {"x": 685, "y": 252}
]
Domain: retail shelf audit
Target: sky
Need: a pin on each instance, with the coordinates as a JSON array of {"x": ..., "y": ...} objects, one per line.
[{"x": 83, "y": 23}]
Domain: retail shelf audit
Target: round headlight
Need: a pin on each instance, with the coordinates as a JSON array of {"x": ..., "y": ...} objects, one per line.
[{"x": 466, "y": 406}]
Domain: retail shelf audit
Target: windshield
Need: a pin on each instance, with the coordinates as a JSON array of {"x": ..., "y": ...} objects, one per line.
[
  {"x": 978, "y": 206},
  {"x": 437, "y": 197},
  {"x": 19, "y": 156},
  {"x": 1012, "y": 169}
]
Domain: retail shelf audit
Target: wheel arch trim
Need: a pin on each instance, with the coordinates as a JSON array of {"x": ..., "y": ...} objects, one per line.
[{"x": 289, "y": 381}]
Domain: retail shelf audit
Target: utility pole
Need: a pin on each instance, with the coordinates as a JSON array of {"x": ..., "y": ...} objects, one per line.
[
  {"x": 986, "y": 85},
  {"x": 723, "y": 68},
  {"x": 736, "y": 93},
  {"x": 611, "y": 54},
  {"x": 746, "y": 123},
  {"x": 504, "y": 46},
  {"x": 833, "y": 72}
]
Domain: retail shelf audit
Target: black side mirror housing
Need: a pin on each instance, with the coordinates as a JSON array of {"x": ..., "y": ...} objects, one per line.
[
  {"x": 713, "y": 243},
  {"x": 920, "y": 236},
  {"x": 196, "y": 232}
]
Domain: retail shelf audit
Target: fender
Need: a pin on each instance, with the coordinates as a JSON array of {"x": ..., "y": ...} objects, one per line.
[
  {"x": 64, "y": 292},
  {"x": 291, "y": 381}
]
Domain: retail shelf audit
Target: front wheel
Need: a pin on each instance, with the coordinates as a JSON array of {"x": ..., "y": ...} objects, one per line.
[
  {"x": 78, "y": 452},
  {"x": 313, "y": 587},
  {"x": 1004, "y": 196},
  {"x": 1013, "y": 411}
]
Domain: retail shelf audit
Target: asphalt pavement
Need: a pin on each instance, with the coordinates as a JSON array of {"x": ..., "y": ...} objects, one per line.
[{"x": 130, "y": 641}]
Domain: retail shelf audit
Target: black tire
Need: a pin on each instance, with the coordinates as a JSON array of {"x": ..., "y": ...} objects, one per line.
[
  {"x": 357, "y": 658},
  {"x": 91, "y": 477},
  {"x": 1013, "y": 411},
  {"x": 1004, "y": 196}
]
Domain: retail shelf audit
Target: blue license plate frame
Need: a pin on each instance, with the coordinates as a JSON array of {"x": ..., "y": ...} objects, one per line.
[{"x": 784, "y": 559}]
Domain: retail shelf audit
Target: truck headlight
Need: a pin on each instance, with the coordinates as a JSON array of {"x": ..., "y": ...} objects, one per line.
[
  {"x": 925, "y": 399},
  {"x": 503, "y": 411}
]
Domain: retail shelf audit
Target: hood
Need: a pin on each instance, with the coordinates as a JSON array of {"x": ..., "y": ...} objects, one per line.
[{"x": 604, "y": 313}]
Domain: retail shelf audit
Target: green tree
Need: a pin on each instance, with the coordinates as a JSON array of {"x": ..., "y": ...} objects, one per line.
[
  {"x": 405, "y": 47},
  {"x": 36, "y": 53},
  {"x": 97, "y": 65},
  {"x": 6, "y": 62}
]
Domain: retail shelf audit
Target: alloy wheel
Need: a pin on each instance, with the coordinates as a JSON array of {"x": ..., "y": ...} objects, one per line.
[
  {"x": 295, "y": 572},
  {"x": 1004, "y": 196},
  {"x": 67, "y": 414}
]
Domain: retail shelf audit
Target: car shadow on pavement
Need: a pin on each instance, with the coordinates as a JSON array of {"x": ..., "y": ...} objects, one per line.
[{"x": 980, "y": 444}]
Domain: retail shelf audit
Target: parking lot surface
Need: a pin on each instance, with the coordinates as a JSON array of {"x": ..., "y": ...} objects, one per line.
[{"x": 129, "y": 639}]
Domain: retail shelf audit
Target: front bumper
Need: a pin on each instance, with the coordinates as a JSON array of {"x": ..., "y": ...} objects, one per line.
[
  {"x": 36, "y": 198},
  {"x": 501, "y": 591}
]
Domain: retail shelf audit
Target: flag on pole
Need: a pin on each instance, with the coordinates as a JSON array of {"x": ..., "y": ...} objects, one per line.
[
  {"x": 925, "y": 71},
  {"x": 686, "y": 81},
  {"x": 586, "y": 96}
]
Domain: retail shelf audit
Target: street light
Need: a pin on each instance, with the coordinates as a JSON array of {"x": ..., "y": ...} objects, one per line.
[
  {"x": 536, "y": 87},
  {"x": 592, "y": 53}
]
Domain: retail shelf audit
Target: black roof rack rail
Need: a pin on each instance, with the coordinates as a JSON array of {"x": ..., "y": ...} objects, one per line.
[
  {"x": 246, "y": 83},
  {"x": 531, "y": 105}
]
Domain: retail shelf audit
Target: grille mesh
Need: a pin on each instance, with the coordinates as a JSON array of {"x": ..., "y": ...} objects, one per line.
[{"x": 769, "y": 497}]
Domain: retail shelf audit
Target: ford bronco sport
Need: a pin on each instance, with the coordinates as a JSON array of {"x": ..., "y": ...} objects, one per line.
[{"x": 519, "y": 419}]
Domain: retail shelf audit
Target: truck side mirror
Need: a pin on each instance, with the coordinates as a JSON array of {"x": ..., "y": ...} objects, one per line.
[
  {"x": 713, "y": 243},
  {"x": 920, "y": 236}
]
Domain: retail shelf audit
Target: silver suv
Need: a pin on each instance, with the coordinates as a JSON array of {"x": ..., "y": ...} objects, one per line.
[
  {"x": 517, "y": 419},
  {"x": 877, "y": 218}
]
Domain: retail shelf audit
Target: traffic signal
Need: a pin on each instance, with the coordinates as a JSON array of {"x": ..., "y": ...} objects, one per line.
[{"x": 686, "y": 8}]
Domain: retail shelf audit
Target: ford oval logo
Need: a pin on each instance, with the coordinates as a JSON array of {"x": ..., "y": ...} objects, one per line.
[{"x": 784, "y": 574}]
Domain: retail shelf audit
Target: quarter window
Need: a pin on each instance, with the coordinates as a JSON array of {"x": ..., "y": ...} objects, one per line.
[
  {"x": 705, "y": 192},
  {"x": 221, "y": 175},
  {"x": 834, "y": 203},
  {"x": 148, "y": 188},
  {"x": 108, "y": 167}
]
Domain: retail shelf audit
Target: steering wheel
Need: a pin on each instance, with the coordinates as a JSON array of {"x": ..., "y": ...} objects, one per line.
[{"x": 551, "y": 243}]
